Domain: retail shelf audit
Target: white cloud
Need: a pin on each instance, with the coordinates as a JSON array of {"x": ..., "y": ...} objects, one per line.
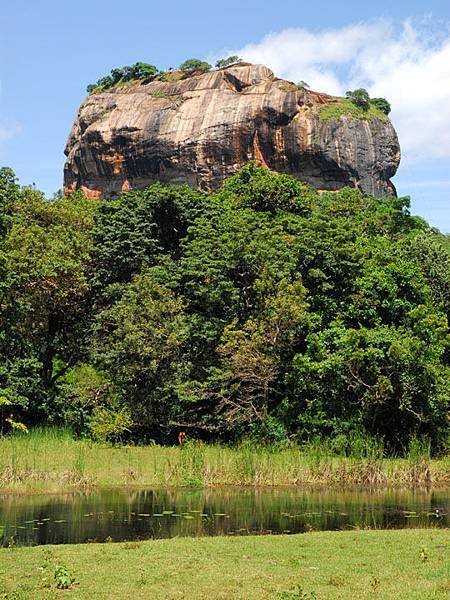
[
  {"x": 8, "y": 132},
  {"x": 409, "y": 64}
]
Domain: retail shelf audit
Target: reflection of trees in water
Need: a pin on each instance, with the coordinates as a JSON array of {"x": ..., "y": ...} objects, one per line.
[{"x": 97, "y": 515}]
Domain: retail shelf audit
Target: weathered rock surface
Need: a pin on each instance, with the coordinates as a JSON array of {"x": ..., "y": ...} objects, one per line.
[{"x": 205, "y": 127}]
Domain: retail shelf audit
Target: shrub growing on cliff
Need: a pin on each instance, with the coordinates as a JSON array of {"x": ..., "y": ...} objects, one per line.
[
  {"x": 382, "y": 104},
  {"x": 195, "y": 64},
  {"x": 226, "y": 62},
  {"x": 139, "y": 70},
  {"x": 359, "y": 97}
]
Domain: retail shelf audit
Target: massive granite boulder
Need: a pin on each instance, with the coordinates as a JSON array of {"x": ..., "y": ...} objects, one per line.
[{"x": 201, "y": 128}]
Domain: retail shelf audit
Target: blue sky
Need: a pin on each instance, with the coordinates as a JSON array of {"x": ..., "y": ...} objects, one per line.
[{"x": 51, "y": 50}]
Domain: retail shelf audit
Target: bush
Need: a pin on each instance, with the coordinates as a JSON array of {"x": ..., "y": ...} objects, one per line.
[
  {"x": 108, "y": 425},
  {"x": 382, "y": 104},
  {"x": 226, "y": 62},
  {"x": 195, "y": 64},
  {"x": 139, "y": 70},
  {"x": 63, "y": 578},
  {"x": 270, "y": 432},
  {"x": 360, "y": 97}
]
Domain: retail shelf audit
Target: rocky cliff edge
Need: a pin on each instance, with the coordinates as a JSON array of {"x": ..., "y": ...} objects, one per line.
[{"x": 201, "y": 128}]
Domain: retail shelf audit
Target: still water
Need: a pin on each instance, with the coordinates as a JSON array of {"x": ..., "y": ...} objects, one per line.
[{"x": 118, "y": 515}]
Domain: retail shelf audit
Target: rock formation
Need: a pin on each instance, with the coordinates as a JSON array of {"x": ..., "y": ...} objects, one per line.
[{"x": 201, "y": 128}]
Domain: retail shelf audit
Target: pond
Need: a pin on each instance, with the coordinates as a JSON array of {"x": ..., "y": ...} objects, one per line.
[{"x": 118, "y": 515}]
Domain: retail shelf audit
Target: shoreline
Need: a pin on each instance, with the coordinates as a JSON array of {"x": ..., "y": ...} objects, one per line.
[
  {"x": 313, "y": 487},
  {"x": 54, "y": 462}
]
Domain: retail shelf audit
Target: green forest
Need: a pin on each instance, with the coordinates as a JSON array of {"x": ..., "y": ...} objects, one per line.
[{"x": 265, "y": 310}]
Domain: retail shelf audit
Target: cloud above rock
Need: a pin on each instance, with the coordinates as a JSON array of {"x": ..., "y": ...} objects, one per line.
[
  {"x": 8, "y": 132},
  {"x": 408, "y": 63}
]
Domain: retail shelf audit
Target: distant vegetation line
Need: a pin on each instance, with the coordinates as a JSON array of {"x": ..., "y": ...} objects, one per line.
[
  {"x": 145, "y": 71},
  {"x": 357, "y": 104}
]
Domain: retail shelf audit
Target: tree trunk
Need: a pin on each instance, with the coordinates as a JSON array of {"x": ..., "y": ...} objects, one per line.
[{"x": 49, "y": 350}]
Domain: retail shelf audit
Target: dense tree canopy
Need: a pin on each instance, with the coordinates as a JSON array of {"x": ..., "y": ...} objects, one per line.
[{"x": 264, "y": 307}]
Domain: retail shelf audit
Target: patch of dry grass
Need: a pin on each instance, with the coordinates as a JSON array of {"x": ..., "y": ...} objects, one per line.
[{"x": 51, "y": 460}]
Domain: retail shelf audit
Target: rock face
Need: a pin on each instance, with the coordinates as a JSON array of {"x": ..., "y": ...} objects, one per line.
[{"x": 200, "y": 129}]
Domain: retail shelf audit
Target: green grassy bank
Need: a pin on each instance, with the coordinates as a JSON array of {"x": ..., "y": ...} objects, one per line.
[
  {"x": 52, "y": 461},
  {"x": 404, "y": 564}
]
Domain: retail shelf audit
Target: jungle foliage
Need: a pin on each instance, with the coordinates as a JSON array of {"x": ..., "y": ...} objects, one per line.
[{"x": 263, "y": 309}]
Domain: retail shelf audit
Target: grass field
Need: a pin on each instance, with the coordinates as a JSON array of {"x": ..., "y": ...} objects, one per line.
[
  {"x": 344, "y": 107},
  {"x": 51, "y": 461},
  {"x": 403, "y": 564}
]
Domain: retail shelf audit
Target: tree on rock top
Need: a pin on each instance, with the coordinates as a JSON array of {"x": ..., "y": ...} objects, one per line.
[
  {"x": 226, "y": 62},
  {"x": 195, "y": 64},
  {"x": 359, "y": 97},
  {"x": 139, "y": 70},
  {"x": 382, "y": 104}
]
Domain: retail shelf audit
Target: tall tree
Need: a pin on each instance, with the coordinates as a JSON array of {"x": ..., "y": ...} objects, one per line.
[
  {"x": 47, "y": 255},
  {"x": 137, "y": 342}
]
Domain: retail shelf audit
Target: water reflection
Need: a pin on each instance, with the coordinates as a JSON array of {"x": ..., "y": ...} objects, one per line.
[{"x": 143, "y": 514}]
